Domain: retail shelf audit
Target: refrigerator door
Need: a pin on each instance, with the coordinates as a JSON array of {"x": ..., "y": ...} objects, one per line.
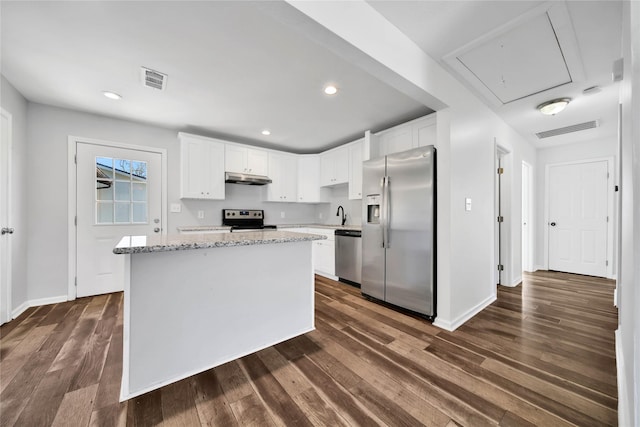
[
  {"x": 410, "y": 244},
  {"x": 372, "y": 251}
]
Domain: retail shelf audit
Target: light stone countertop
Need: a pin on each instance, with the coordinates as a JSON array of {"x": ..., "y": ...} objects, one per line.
[{"x": 180, "y": 242}]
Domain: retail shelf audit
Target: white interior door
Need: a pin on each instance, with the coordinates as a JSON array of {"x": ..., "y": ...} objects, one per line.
[
  {"x": 7, "y": 231},
  {"x": 119, "y": 193},
  {"x": 578, "y": 206}
]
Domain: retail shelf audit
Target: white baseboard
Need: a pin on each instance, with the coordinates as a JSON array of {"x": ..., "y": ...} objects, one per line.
[
  {"x": 327, "y": 275},
  {"x": 20, "y": 309},
  {"x": 35, "y": 303},
  {"x": 538, "y": 267},
  {"x": 624, "y": 398},
  {"x": 515, "y": 282},
  {"x": 452, "y": 325}
]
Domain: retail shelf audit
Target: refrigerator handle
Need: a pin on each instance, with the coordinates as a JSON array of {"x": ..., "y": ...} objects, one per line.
[{"x": 385, "y": 212}]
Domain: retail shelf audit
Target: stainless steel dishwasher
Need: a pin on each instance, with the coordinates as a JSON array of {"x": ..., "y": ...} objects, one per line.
[{"x": 349, "y": 256}]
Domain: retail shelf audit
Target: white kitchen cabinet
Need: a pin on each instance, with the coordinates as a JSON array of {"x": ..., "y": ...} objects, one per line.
[
  {"x": 201, "y": 168},
  {"x": 416, "y": 133},
  {"x": 309, "y": 190},
  {"x": 355, "y": 170},
  {"x": 424, "y": 131},
  {"x": 395, "y": 140},
  {"x": 324, "y": 262},
  {"x": 246, "y": 160},
  {"x": 283, "y": 171},
  {"x": 334, "y": 167}
]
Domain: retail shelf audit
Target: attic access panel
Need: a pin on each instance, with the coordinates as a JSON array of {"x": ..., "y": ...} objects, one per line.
[{"x": 525, "y": 60}]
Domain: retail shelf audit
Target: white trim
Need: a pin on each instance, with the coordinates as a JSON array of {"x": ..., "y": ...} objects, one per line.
[
  {"x": 72, "y": 196},
  {"x": 7, "y": 242},
  {"x": 538, "y": 267},
  {"x": 327, "y": 275},
  {"x": 36, "y": 303},
  {"x": 624, "y": 399},
  {"x": 610, "y": 201},
  {"x": 514, "y": 282},
  {"x": 460, "y": 320}
]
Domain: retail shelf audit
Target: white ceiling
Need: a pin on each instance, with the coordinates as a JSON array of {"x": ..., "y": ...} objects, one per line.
[{"x": 235, "y": 70}]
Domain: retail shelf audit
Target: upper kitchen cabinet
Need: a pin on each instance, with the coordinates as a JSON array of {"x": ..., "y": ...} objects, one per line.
[
  {"x": 334, "y": 166},
  {"x": 416, "y": 133},
  {"x": 355, "y": 169},
  {"x": 283, "y": 171},
  {"x": 201, "y": 167},
  {"x": 309, "y": 190},
  {"x": 246, "y": 160}
]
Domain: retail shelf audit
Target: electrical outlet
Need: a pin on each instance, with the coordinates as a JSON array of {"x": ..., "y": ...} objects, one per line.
[
  {"x": 467, "y": 204},
  {"x": 282, "y": 214},
  {"x": 200, "y": 214},
  {"x": 320, "y": 215},
  {"x": 176, "y": 207}
]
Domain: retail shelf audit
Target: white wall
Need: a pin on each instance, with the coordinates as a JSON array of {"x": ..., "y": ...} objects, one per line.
[
  {"x": 595, "y": 149},
  {"x": 466, "y": 154},
  {"x": 628, "y": 334},
  {"x": 49, "y": 128},
  {"x": 14, "y": 103}
]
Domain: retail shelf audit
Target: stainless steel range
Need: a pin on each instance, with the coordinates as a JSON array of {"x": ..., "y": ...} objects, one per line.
[{"x": 245, "y": 220}]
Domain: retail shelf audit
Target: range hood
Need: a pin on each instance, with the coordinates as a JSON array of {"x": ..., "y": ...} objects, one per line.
[{"x": 246, "y": 179}]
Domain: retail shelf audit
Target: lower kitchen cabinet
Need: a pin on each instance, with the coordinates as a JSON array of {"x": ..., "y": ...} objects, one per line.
[{"x": 324, "y": 262}]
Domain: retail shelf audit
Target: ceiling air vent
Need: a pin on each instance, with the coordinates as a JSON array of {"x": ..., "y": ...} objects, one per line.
[
  {"x": 567, "y": 129},
  {"x": 153, "y": 79}
]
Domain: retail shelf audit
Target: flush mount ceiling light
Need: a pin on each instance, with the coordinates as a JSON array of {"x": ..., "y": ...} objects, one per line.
[
  {"x": 330, "y": 90},
  {"x": 111, "y": 95},
  {"x": 266, "y": 132},
  {"x": 553, "y": 107}
]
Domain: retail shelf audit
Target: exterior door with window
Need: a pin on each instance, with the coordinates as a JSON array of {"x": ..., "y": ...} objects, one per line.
[
  {"x": 119, "y": 193},
  {"x": 578, "y": 206}
]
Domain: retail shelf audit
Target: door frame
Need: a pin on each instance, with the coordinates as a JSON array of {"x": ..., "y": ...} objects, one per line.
[
  {"x": 610, "y": 189},
  {"x": 6, "y": 242},
  {"x": 527, "y": 191},
  {"x": 502, "y": 207},
  {"x": 73, "y": 142}
]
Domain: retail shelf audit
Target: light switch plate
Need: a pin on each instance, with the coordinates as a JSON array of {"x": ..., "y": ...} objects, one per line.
[
  {"x": 467, "y": 204},
  {"x": 176, "y": 207},
  {"x": 200, "y": 214},
  {"x": 282, "y": 214}
]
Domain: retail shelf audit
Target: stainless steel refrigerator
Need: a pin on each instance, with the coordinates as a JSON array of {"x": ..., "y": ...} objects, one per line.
[{"x": 398, "y": 230}]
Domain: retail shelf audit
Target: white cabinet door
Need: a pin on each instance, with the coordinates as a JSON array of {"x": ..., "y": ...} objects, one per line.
[
  {"x": 424, "y": 132},
  {"x": 396, "y": 140},
  {"x": 283, "y": 172},
  {"x": 245, "y": 160},
  {"x": 235, "y": 158},
  {"x": 257, "y": 161},
  {"x": 355, "y": 171},
  {"x": 309, "y": 179},
  {"x": 334, "y": 167},
  {"x": 324, "y": 258},
  {"x": 201, "y": 168}
]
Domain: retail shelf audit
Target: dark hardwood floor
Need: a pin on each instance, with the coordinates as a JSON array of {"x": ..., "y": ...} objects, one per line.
[{"x": 542, "y": 354}]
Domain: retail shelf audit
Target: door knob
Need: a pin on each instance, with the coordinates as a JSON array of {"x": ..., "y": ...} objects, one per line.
[
  {"x": 157, "y": 229},
  {"x": 553, "y": 224},
  {"x": 7, "y": 230}
]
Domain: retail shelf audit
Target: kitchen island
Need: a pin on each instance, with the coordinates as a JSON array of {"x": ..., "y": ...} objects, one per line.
[{"x": 193, "y": 302}]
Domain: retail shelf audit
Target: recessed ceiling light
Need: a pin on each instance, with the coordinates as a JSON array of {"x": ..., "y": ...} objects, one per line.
[
  {"x": 111, "y": 95},
  {"x": 330, "y": 90},
  {"x": 554, "y": 106},
  {"x": 266, "y": 132}
]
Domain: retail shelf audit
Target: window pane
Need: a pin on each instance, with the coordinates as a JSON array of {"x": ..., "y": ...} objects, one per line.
[
  {"x": 139, "y": 192},
  {"x": 123, "y": 189},
  {"x": 122, "y": 168},
  {"x": 104, "y": 213},
  {"x": 140, "y": 212},
  {"x": 104, "y": 168},
  {"x": 123, "y": 212},
  {"x": 138, "y": 171},
  {"x": 106, "y": 192}
]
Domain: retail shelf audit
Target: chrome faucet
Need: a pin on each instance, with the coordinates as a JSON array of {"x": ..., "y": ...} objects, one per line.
[{"x": 344, "y": 216}]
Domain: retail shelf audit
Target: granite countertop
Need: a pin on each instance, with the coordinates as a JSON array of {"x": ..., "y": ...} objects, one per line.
[{"x": 180, "y": 242}]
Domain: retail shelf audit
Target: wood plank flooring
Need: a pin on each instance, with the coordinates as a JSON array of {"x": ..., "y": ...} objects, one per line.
[{"x": 542, "y": 354}]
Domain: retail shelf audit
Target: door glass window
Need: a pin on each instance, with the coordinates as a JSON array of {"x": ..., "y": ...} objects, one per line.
[{"x": 121, "y": 191}]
